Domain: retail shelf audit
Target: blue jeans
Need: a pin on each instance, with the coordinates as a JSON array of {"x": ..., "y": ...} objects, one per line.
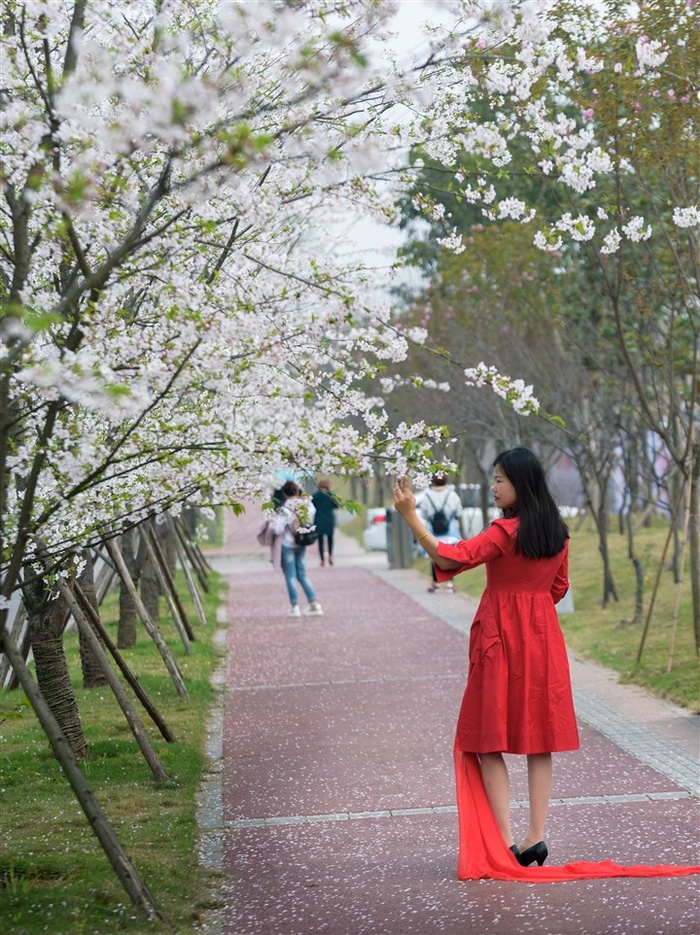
[{"x": 295, "y": 571}]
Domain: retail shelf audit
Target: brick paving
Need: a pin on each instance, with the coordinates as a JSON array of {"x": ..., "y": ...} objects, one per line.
[{"x": 329, "y": 807}]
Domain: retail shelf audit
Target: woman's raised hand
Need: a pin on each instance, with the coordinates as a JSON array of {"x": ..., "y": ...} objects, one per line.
[{"x": 404, "y": 501}]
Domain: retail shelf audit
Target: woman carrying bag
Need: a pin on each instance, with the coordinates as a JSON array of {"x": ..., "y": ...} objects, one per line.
[{"x": 294, "y": 517}]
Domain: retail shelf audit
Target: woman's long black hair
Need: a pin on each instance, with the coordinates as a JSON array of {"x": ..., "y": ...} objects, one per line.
[{"x": 542, "y": 532}]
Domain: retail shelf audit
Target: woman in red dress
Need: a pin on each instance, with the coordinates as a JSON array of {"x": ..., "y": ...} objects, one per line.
[{"x": 518, "y": 696}]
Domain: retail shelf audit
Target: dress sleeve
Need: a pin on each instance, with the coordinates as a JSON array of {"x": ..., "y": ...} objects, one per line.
[
  {"x": 560, "y": 585},
  {"x": 485, "y": 547}
]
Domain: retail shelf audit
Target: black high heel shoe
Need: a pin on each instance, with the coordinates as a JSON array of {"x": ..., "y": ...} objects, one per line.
[
  {"x": 538, "y": 852},
  {"x": 514, "y": 848}
]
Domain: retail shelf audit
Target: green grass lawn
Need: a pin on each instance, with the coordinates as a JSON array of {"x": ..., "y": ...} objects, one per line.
[
  {"x": 669, "y": 662},
  {"x": 54, "y": 876}
]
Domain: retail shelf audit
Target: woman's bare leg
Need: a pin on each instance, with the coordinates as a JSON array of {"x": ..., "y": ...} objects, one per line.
[
  {"x": 539, "y": 784},
  {"x": 494, "y": 772}
]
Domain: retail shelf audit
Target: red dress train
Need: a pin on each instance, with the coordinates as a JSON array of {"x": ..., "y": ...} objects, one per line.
[{"x": 483, "y": 853}]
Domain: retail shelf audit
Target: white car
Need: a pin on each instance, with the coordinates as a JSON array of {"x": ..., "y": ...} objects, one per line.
[
  {"x": 374, "y": 533},
  {"x": 472, "y": 520}
]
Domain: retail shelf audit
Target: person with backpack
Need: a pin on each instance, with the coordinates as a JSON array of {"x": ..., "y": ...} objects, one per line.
[
  {"x": 294, "y": 522},
  {"x": 440, "y": 508}
]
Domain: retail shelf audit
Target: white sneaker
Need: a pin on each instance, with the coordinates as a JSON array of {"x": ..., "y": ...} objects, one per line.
[
  {"x": 294, "y": 611},
  {"x": 314, "y": 610}
]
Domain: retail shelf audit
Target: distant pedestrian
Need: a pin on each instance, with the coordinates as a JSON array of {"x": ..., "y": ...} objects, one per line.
[
  {"x": 518, "y": 697},
  {"x": 296, "y": 514},
  {"x": 326, "y": 504},
  {"x": 440, "y": 509}
]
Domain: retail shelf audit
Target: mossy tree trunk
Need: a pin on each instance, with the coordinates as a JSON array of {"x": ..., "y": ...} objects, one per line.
[
  {"x": 46, "y": 617},
  {"x": 93, "y": 675},
  {"x": 150, "y": 589},
  {"x": 128, "y": 615}
]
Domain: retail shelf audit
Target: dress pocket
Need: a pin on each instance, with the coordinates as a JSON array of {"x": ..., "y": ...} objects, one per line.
[{"x": 482, "y": 644}]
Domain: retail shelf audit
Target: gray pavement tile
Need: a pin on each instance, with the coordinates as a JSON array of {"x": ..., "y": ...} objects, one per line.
[{"x": 396, "y": 877}]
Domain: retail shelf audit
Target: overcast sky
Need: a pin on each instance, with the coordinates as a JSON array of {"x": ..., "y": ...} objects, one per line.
[{"x": 377, "y": 243}]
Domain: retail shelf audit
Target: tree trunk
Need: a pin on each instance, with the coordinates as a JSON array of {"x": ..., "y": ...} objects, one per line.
[
  {"x": 600, "y": 518},
  {"x": 638, "y": 572},
  {"x": 93, "y": 676},
  {"x": 677, "y": 507},
  {"x": 189, "y": 514},
  {"x": 595, "y": 490},
  {"x": 484, "y": 489},
  {"x": 694, "y": 543},
  {"x": 609, "y": 589},
  {"x": 150, "y": 589},
  {"x": 678, "y": 492},
  {"x": 45, "y": 621},
  {"x": 126, "y": 629},
  {"x": 167, "y": 544}
]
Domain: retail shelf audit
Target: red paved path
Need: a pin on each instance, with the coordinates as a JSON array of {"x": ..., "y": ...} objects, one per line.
[{"x": 337, "y": 802}]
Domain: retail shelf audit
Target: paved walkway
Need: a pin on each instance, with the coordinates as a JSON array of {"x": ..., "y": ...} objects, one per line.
[{"x": 330, "y": 804}]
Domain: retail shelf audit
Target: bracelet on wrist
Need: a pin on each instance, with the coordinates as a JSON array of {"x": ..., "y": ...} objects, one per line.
[{"x": 423, "y": 536}]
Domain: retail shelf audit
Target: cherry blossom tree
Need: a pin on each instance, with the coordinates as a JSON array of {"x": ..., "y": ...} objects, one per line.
[
  {"x": 168, "y": 335},
  {"x": 169, "y": 332},
  {"x": 581, "y": 122}
]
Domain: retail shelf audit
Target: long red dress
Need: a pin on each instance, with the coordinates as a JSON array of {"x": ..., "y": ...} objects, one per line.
[
  {"x": 518, "y": 696},
  {"x": 517, "y": 700}
]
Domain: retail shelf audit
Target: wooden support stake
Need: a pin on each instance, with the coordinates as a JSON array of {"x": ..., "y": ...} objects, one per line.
[
  {"x": 128, "y": 711},
  {"x": 150, "y": 626},
  {"x": 166, "y": 589},
  {"x": 136, "y": 686},
  {"x": 169, "y": 580},
  {"x": 185, "y": 563},
  {"x": 111, "y": 845},
  {"x": 25, "y": 644},
  {"x": 197, "y": 561},
  {"x": 105, "y": 578},
  {"x": 17, "y": 625}
]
